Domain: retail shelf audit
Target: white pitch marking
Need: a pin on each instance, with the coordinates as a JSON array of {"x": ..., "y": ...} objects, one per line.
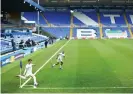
[
  {"x": 81, "y": 88},
  {"x": 44, "y": 64},
  {"x": 28, "y": 85}
]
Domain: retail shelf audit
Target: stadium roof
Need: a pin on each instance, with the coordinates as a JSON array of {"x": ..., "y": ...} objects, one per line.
[
  {"x": 83, "y": 2},
  {"x": 19, "y": 5}
]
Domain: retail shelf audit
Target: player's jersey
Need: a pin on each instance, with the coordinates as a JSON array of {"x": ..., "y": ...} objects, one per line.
[
  {"x": 29, "y": 68},
  {"x": 60, "y": 56}
]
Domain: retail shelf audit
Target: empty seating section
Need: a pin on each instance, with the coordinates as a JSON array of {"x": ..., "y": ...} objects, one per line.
[
  {"x": 58, "y": 31},
  {"x": 55, "y": 18},
  {"x": 58, "y": 18},
  {"x": 30, "y": 16},
  {"x": 77, "y": 22},
  {"x": 132, "y": 30},
  {"x": 33, "y": 16},
  {"x": 129, "y": 16},
  {"x": 92, "y": 15},
  {"x": 112, "y": 18},
  {"x": 83, "y": 18},
  {"x": 42, "y": 20},
  {"x": 5, "y": 46}
]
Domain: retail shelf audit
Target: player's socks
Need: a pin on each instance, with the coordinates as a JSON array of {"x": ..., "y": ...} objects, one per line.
[
  {"x": 34, "y": 86},
  {"x": 61, "y": 67},
  {"x": 35, "y": 82},
  {"x": 53, "y": 65}
]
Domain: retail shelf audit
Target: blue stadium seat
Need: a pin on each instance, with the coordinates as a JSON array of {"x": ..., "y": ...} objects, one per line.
[
  {"x": 58, "y": 31},
  {"x": 129, "y": 15},
  {"x": 5, "y": 46},
  {"x": 106, "y": 20},
  {"x": 32, "y": 16},
  {"x": 58, "y": 18}
]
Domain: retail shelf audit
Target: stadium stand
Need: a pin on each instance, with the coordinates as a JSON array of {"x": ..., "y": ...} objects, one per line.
[
  {"x": 5, "y": 46},
  {"x": 32, "y": 16},
  {"x": 77, "y": 22},
  {"x": 58, "y": 18},
  {"x": 69, "y": 43},
  {"x": 18, "y": 35},
  {"x": 129, "y": 16},
  {"x": 54, "y": 18},
  {"x": 59, "y": 32},
  {"x": 85, "y": 18},
  {"x": 112, "y": 18},
  {"x": 89, "y": 18}
]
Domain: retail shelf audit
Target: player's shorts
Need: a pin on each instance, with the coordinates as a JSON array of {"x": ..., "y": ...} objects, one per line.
[
  {"x": 29, "y": 74},
  {"x": 59, "y": 60}
]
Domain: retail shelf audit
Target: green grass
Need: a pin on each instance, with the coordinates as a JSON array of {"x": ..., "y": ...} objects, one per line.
[{"x": 90, "y": 66}]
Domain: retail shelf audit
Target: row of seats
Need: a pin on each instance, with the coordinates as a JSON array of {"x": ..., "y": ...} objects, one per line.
[
  {"x": 81, "y": 18},
  {"x": 17, "y": 36},
  {"x": 58, "y": 31},
  {"x": 36, "y": 38},
  {"x": 63, "y": 32},
  {"x": 5, "y": 46},
  {"x": 89, "y": 19}
]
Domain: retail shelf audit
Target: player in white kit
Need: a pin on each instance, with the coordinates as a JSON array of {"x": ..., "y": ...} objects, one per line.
[
  {"x": 59, "y": 58},
  {"x": 28, "y": 72}
]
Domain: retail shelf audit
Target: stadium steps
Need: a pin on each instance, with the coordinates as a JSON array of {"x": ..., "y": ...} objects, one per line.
[
  {"x": 100, "y": 26},
  {"x": 84, "y": 18},
  {"x": 45, "y": 19},
  {"x": 129, "y": 28}
]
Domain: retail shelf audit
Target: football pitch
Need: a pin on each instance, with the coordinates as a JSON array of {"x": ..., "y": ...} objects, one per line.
[{"x": 90, "y": 66}]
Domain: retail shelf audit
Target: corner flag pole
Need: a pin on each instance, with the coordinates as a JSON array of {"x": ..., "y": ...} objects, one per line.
[
  {"x": 20, "y": 72},
  {"x": 20, "y": 78}
]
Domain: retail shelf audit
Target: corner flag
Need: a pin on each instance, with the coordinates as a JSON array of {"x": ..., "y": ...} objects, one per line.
[
  {"x": 21, "y": 64},
  {"x": 20, "y": 71}
]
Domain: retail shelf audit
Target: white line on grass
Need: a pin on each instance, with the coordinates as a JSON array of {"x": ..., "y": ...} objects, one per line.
[
  {"x": 44, "y": 64},
  {"x": 83, "y": 88}
]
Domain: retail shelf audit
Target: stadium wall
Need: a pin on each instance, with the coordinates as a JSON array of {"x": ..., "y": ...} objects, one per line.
[{"x": 11, "y": 57}]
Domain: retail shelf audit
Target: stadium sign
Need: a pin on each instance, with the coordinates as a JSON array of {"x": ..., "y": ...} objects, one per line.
[
  {"x": 86, "y": 33},
  {"x": 10, "y": 59},
  {"x": 18, "y": 56},
  {"x": 5, "y": 61},
  {"x": 116, "y": 33}
]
